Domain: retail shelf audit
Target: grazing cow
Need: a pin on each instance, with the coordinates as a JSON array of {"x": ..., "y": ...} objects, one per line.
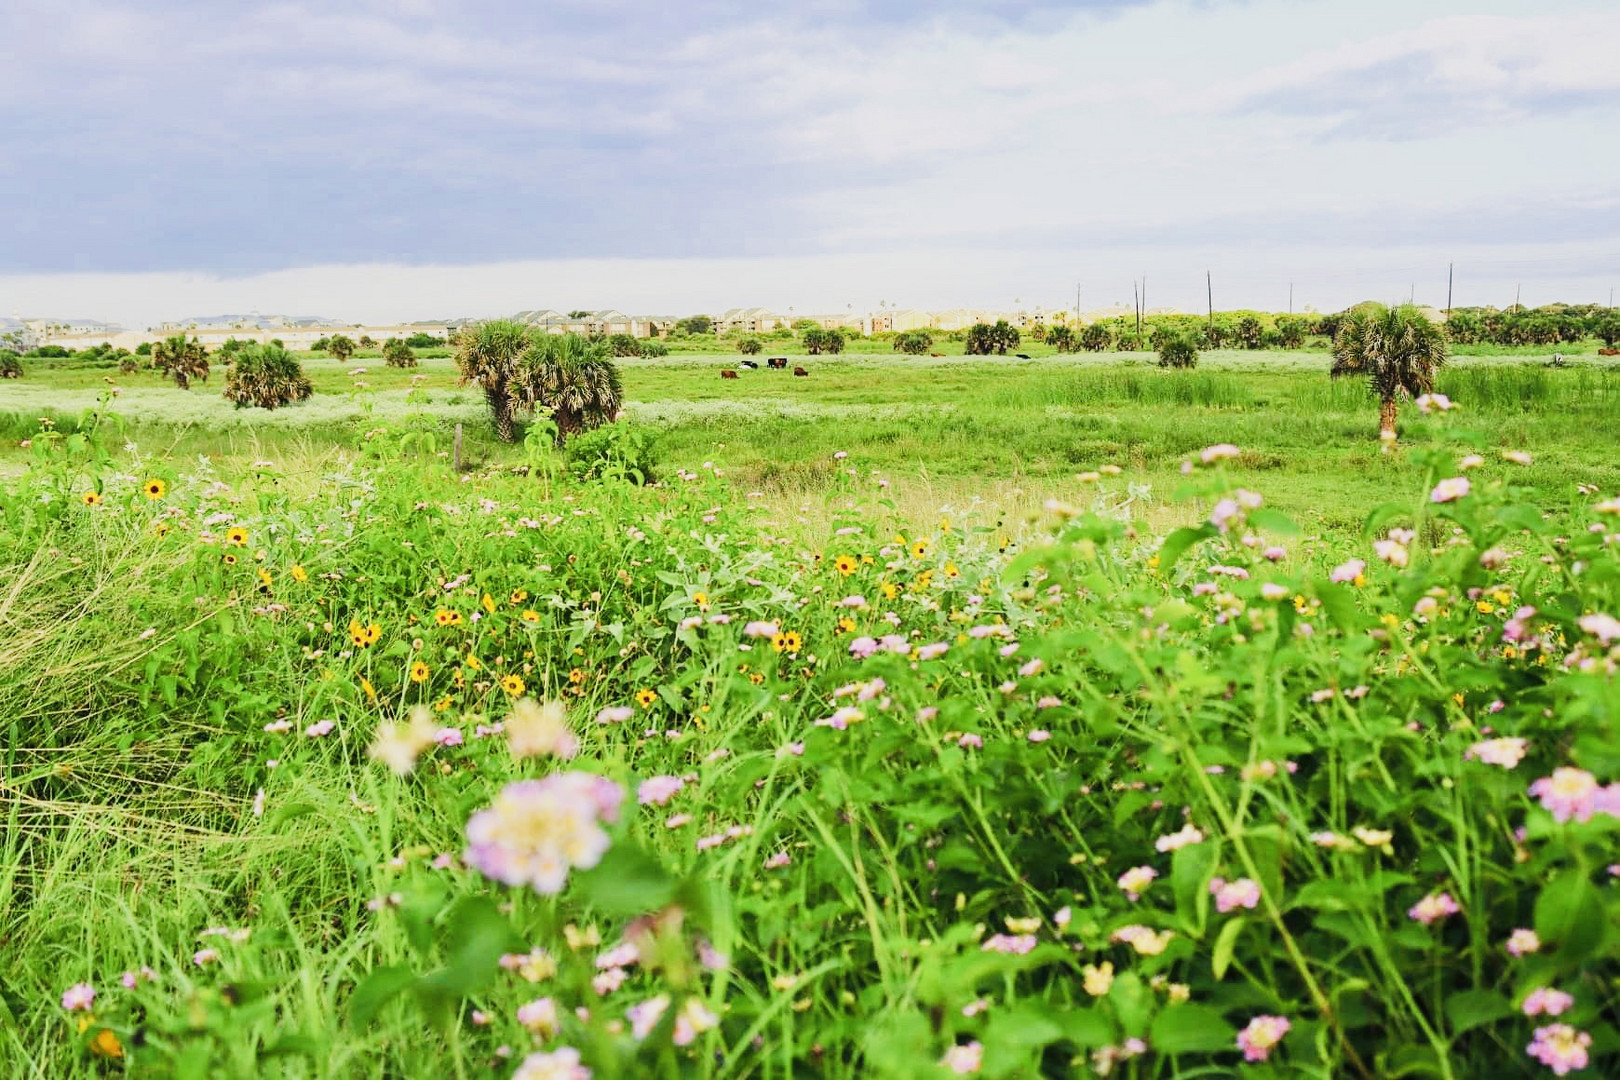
[
  {"x": 1022, "y": 355},
  {"x": 936, "y": 354},
  {"x": 749, "y": 364},
  {"x": 800, "y": 371},
  {"x": 778, "y": 362},
  {"x": 1609, "y": 352},
  {"x": 728, "y": 374}
]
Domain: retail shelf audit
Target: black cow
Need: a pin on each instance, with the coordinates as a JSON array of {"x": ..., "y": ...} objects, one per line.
[
  {"x": 749, "y": 364},
  {"x": 778, "y": 362}
]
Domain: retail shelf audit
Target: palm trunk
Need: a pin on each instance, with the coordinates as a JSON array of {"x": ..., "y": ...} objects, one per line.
[
  {"x": 1386, "y": 419},
  {"x": 500, "y": 412},
  {"x": 568, "y": 423}
]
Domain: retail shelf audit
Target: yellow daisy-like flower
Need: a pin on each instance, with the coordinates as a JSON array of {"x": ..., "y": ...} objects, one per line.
[
  {"x": 236, "y": 535},
  {"x": 91, "y": 498},
  {"x": 792, "y": 642},
  {"x": 845, "y": 564},
  {"x": 951, "y": 571},
  {"x": 298, "y": 573},
  {"x": 447, "y": 617},
  {"x": 701, "y": 599},
  {"x": 919, "y": 549},
  {"x": 489, "y": 603},
  {"x": 518, "y": 596},
  {"x": 530, "y": 615},
  {"x": 779, "y": 642},
  {"x": 154, "y": 489},
  {"x": 756, "y": 677},
  {"x": 890, "y": 590},
  {"x": 230, "y": 560},
  {"x": 264, "y": 577},
  {"x": 512, "y": 684},
  {"x": 458, "y": 680},
  {"x": 846, "y": 625},
  {"x": 576, "y": 676},
  {"x": 473, "y": 662},
  {"x": 645, "y": 698},
  {"x": 161, "y": 529},
  {"x": 371, "y": 691},
  {"x": 419, "y": 672}
]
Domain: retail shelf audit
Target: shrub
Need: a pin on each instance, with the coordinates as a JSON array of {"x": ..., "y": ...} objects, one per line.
[
  {"x": 398, "y": 354},
  {"x": 573, "y": 380},
  {"x": 1290, "y": 331},
  {"x": 913, "y": 342},
  {"x": 695, "y": 324},
  {"x": 984, "y": 339},
  {"x": 1098, "y": 337},
  {"x": 367, "y": 341},
  {"x": 10, "y": 365},
  {"x": 265, "y": 377},
  {"x": 144, "y": 349},
  {"x": 1251, "y": 332},
  {"x": 623, "y": 345},
  {"x": 1177, "y": 351},
  {"x": 1063, "y": 338},
  {"x": 749, "y": 346},
  {"x": 423, "y": 341},
  {"x": 654, "y": 347},
  {"x": 341, "y": 348},
  {"x": 320, "y": 344},
  {"x": 45, "y": 352},
  {"x": 612, "y": 451},
  {"x": 181, "y": 360},
  {"x": 817, "y": 340}
]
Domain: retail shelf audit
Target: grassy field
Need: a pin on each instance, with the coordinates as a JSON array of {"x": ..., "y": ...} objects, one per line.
[{"x": 925, "y": 718}]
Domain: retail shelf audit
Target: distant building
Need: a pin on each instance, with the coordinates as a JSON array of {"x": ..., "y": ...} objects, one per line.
[{"x": 754, "y": 320}]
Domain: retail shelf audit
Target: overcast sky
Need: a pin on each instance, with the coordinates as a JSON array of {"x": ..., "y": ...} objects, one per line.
[{"x": 386, "y": 159}]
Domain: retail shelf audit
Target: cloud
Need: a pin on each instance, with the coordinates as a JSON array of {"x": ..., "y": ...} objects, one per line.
[{"x": 1441, "y": 75}]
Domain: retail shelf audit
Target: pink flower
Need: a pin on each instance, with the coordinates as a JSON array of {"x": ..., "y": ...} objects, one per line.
[
  {"x": 539, "y": 1016},
  {"x": 1219, "y": 452},
  {"x": 1039, "y": 735},
  {"x": 862, "y": 647},
  {"x": 615, "y": 714},
  {"x": 1244, "y": 892},
  {"x": 1010, "y": 944},
  {"x": 895, "y": 643},
  {"x": 204, "y": 957},
  {"x": 1135, "y": 881},
  {"x": 537, "y": 830},
  {"x": 448, "y": 736},
  {"x": 931, "y": 652},
  {"x": 963, "y": 1060},
  {"x": 970, "y": 741},
  {"x": 319, "y": 728},
  {"x": 1433, "y": 907},
  {"x": 79, "y": 997},
  {"x": 1186, "y": 835},
  {"x": 560, "y": 1064},
  {"x": 1450, "y": 490},
  {"x": 1348, "y": 571},
  {"x": 1032, "y": 668},
  {"x": 1605, "y": 628},
  {"x": 1523, "y": 941},
  {"x": 1506, "y": 752},
  {"x": 1263, "y": 1033},
  {"x": 1049, "y": 702},
  {"x": 1547, "y": 1000},
  {"x": 1275, "y": 553},
  {"x": 1561, "y": 1048},
  {"x": 777, "y": 861},
  {"x": 855, "y": 601},
  {"x": 1568, "y": 793},
  {"x": 658, "y": 790},
  {"x": 760, "y": 629}
]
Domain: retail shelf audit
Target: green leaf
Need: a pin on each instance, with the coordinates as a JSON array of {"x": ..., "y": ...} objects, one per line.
[
  {"x": 1474, "y": 1008},
  {"x": 1339, "y": 604},
  {"x": 195, "y": 1061},
  {"x": 1086, "y": 1027},
  {"x": 1225, "y": 944},
  {"x": 627, "y": 881},
  {"x": 1569, "y": 913},
  {"x": 1382, "y": 514},
  {"x": 479, "y": 936},
  {"x": 375, "y": 991},
  {"x": 1273, "y": 521},
  {"x": 1176, "y": 544},
  {"x": 1190, "y": 869},
  {"x": 1191, "y": 1029}
]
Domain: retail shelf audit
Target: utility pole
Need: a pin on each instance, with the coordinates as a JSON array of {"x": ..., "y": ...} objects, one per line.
[
  {"x": 1517, "y": 291},
  {"x": 1209, "y": 286},
  {"x": 1077, "y": 303},
  {"x": 1451, "y": 269},
  {"x": 1290, "y": 298}
]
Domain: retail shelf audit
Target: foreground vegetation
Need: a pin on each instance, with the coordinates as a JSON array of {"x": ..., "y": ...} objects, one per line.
[{"x": 351, "y": 765}]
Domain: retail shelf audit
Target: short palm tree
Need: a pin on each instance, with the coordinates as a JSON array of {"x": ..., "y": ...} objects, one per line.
[
  {"x": 181, "y": 360},
  {"x": 1397, "y": 349},
  {"x": 265, "y": 376},
  {"x": 488, "y": 354},
  {"x": 576, "y": 381}
]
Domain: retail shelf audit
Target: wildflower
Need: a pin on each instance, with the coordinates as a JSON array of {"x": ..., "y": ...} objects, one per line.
[
  {"x": 842, "y": 718},
  {"x": 79, "y": 997},
  {"x": 204, "y": 957},
  {"x": 1606, "y": 628},
  {"x": 1506, "y": 752},
  {"x": 1433, "y": 907},
  {"x": 536, "y": 730},
  {"x": 537, "y": 830},
  {"x": 1373, "y": 837},
  {"x": 1263, "y": 1033},
  {"x": 1032, "y": 668},
  {"x": 1353, "y": 571},
  {"x": 154, "y": 489},
  {"x": 1450, "y": 490},
  {"x": 1009, "y": 944},
  {"x": 512, "y": 684},
  {"x": 1187, "y": 834},
  {"x": 846, "y": 564},
  {"x": 1428, "y": 403},
  {"x": 319, "y": 728},
  {"x": 1518, "y": 457},
  {"x": 1135, "y": 881},
  {"x": 1039, "y": 735},
  {"x": 761, "y": 629},
  {"x": 645, "y": 698},
  {"x": 419, "y": 672},
  {"x": 1561, "y": 1048},
  {"x": 1219, "y": 452},
  {"x": 963, "y": 1059},
  {"x": 1523, "y": 941},
  {"x": 933, "y": 651},
  {"x": 447, "y": 617},
  {"x": 399, "y": 745},
  {"x": 614, "y": 714},
  {"x": 1097, "y": 979},
  {"x": 1391, "y": 552},
  {"x": 236, "y": 535},
  {"x": 919, "y": 549},
  {"x": 971, "y": 741},
  {"x": 777, "y": 861},
  {"x": 1244, "y": 892},
  {"x": 539, "y": 1016},
  {"x": 658, "y": 790},
  {"x": 1146, "y": 941},
  {"x": 298, "y": 573},
  {"x": 91, "y": 498},
  {"x": 1568, "y": 793},
  {"x": 560, "y": 1064},
  {"x": 448, "y": 736},
  {"x": 1547, "y": 1000}
]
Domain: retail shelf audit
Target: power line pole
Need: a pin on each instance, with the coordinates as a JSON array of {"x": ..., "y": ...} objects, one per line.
[
  {"x": 1136, "y": 302},
  {"x": 1290, "y": 298},
  {"x": 1209, "y": 285},
  {"x": 1451, "y": 269},
  {"x": 1517, "y": 292}
]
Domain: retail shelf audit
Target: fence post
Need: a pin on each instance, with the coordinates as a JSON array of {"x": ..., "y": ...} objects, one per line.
[{"x": 458, "y": 448}]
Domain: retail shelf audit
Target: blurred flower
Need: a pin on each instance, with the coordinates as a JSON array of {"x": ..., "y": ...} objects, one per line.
[
  {"x": 1561, "y": 1048},
  {"x": 658, "y": 790},
  {"x": 79, "y": 997},
  {"x": 1011, "y": 944},
  {"x": 1506, "y": 752},
  {"x": 1135, "y": 881},
  {"x": 1244, "y": 892},
  {"x": 1568, "y": 793},
  {"x": 399, "y": 745},
  {"x": 560, "y": 1064},
  {"x": 963, "y": 1059},
  {"x": 1433, "y": 907},
  {"x": 1523, "y": 941},
  {"x": 1263, "y": 1033},
  {"x": 1097, "y": 979},
  {"x": 1219, "y": 452},
  {"x": 1547, "y": 1000},
  {"x": 1450, "y": 490},
  {"x": 539, "y": 1016},
  {"x": 536, "y": 730},
  {"x": 537, "y": 830},
  {"x": 1187, "y": 834}
]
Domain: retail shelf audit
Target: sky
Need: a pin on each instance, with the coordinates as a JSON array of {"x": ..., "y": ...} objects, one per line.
[{"x": 377, "y": 160}]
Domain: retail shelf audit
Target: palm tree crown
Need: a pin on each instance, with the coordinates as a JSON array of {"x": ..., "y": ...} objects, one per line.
[
  {"x": 1398, "y": 350},
  {"x": 487, "y": 353},
  {"x": 575, "y": 380}
]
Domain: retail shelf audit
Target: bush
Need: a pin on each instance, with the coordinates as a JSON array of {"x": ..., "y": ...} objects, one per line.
[
  {"x": 984, "y": 339},
  {"x": 695, "y": 324},
  {"x": 1063, "y": 338},
  {"x": 1098, "y": 337},
  {"x": 398, "y": 354},
  {"x": 340, "y": 348},
  {"x": 423, "y": 341},
  {"x": 654, "y": 347},
  {"x": 623, "y": 345},
  {"x": 612, "y": 451},
  {"x": 749, "y": 346},
  {"x": 10, "y": 365},
  {"x": 48, "y": 352},
  {"x": 144, "y": 349},
  {"x": 818, "y": 340},
  {"x": 913, "y": 342},
  {"x": 266, "y": 377},
  {"x": 1176, "y": 351}
]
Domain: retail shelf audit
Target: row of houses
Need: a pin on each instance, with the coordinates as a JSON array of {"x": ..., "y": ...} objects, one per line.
[{"x": 299, "y": 336}]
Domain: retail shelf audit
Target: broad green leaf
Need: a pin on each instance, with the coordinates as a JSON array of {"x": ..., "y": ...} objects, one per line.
[
  {"x": 627, "y": 881},
  {"x": 1569, "y": 913},
  {"x": 1176, "y": 544},
  {"x": 1474, "y": 1008},
  {"x": 1191, "y": 1029},
  {"x": 1225, "y": 943},
  {"x": 375, "y": 991}
]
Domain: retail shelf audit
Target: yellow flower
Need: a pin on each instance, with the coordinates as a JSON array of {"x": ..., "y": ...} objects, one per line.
[
  {"x": 1153, "y": 562},
  {"x": 951, "y": 571},
  {"x": 154, "y": 489},
  {"x": 371, "y": 691},
  {"x": 91, "y": 498},
  {"x": 645, "y": 698},
  {"x": 105, "y": 1044},
  {"x": 419, "y": 672},
  {"x": 1373, "y": 837},
  {"x": 489, "y": 603},
  {"x": 701, "y": 599},
  {"x": 264, "y": 577},
  {"x": 512, "y": 684},
  {"x": 919, "y": 549},
  {"x": 236, "y": 535},
  {"x": 161, "y": 529},
  {"x": 756, "y": 677},
  {"x": 298, "y": 573},
  {"x": 792, "y": 642},
  {"x": 530, "y": 615},
  {"x": 472, "y": 662},
  {"x": 230, "y": 560},
  {"x": 518, "y": 596},
  {"x": 1485, "y": 607},
  {"x": 447, "y": 617},
  {"x": 779, "y": 642},
  {"x": 845, "y": 564},
  {"x": 890, "y": 590},
  {"x": 576, "y": 676},
  {"x": 1098, "y": 979},
  {"x": 846, "y": 625}
]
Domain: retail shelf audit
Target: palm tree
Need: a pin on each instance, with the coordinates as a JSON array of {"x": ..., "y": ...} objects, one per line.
[
  {"x": 487, "y": 353},
  {"x": 181, "y": 360},
  {"x": 265, "y": 376},
  {"x": 1397, "y": 349},
  {"x": 576, "y": 381},
  {"x": 341, "y": 348}
]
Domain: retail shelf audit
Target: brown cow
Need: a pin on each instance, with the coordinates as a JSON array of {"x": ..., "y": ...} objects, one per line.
[
  {"x": 728, "y": 374},
  {"x": 779, "y": 362},
  {"x": 1609, "y": 352},
  {"x": 800, "y": 371}
]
